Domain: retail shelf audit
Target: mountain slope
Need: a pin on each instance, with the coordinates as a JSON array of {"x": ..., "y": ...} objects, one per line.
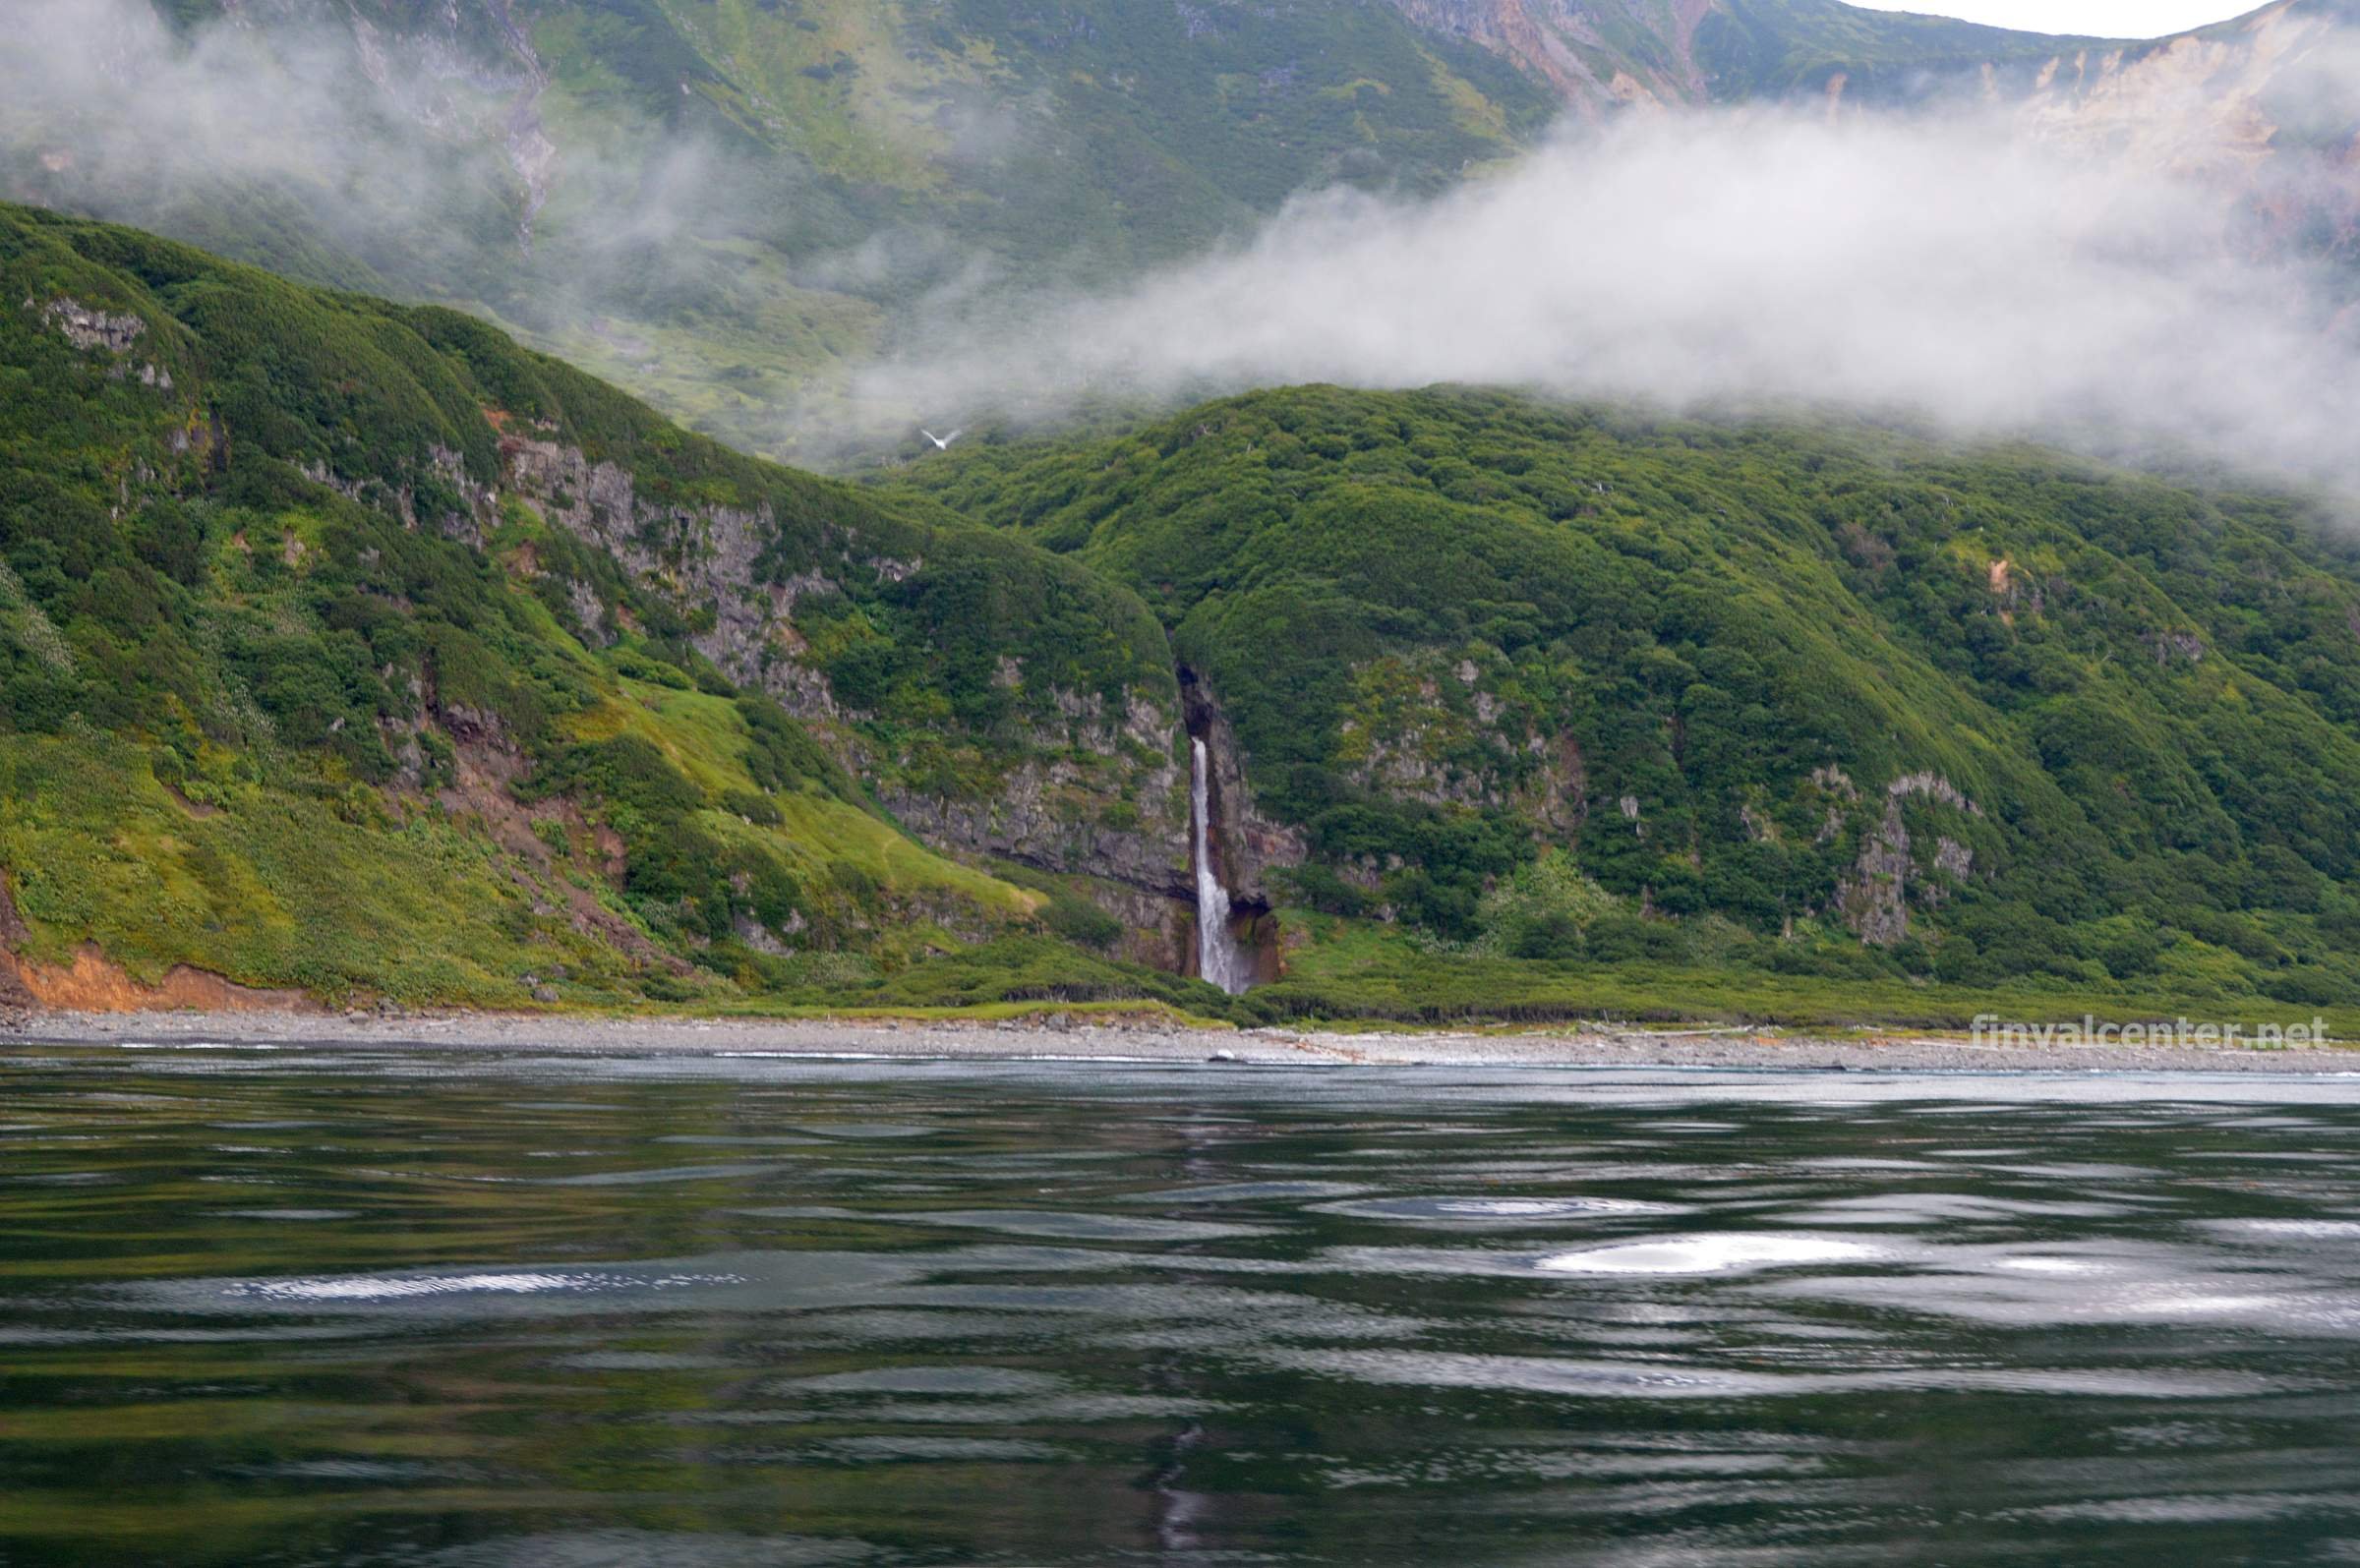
[
  {"x": 1601, "y": 53},
  {"x": 348, "y": 650},
  {"x": 716, "y": 202},
  {"x": 345, "y": 647}
]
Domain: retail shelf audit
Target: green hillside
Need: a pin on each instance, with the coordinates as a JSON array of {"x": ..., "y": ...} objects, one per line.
[
  {"x": 1587, "y": 690},
  {"x": 346, "y": 647}
]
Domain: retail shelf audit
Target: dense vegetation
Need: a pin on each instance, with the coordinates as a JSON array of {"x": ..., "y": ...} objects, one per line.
[
  {"x": 1577, "y": 688},
  {"x": 345, "y": 646},
  {"x": 292, "y": 689}
]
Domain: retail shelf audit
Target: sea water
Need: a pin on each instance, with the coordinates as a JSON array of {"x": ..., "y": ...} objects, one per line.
[{"x": 345, "y": 1306}]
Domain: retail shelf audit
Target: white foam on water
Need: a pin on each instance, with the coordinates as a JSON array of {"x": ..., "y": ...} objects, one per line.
[
  {"x": 379, "y": 1290},
  {"x": 371, "y": 1288},
  {"x": 196, "y": 1045},
  {"x": 2296, "y": 1230},
  {"x": 1707, "y": 1254},
  {"x": 1539, "y": 1207},
  {"x": 802, "y": 1056}
]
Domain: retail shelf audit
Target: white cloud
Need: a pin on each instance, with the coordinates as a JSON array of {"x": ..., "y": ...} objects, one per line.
[{"x": 1937, "y": 265}]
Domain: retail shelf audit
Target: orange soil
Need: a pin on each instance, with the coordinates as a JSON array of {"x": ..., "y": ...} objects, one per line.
[{"x": 93, "y": 983}]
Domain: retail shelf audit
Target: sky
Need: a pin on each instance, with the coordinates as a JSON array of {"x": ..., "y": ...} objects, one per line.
[{"x": 2105, "y": 18}]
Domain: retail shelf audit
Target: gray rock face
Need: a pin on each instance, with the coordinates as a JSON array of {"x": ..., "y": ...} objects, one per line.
[
  {"x": 91, "y": 330},
  {"x": 1428, "y": 732},
  {"x": 472, "y": 525},
  {"x": 700, "y": 558},
  {"x": 1100, "y": 792},
  {"x": 1886, "y": 878},
  {"x": 1092, "y": 809}
]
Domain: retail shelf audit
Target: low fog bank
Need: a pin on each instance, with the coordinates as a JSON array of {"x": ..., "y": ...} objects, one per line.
[
  {"x": 301, "y": 138},
  {"x": 1941, "y": 266},
  {"x": 278, "y": 137}
]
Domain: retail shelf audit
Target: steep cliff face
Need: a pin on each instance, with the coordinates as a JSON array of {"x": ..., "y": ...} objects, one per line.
[
  {"x": 1595, "y": 54},
  {"x": 1065, "y": 778},
  {"x": 1104, "y": 798}
]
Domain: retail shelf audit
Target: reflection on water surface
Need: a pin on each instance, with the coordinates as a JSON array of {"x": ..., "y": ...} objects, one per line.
[{"x": 352, "y": 1307}]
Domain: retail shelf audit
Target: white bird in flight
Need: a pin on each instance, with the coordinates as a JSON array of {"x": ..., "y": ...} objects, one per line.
[{"x": 942, "y": 442}]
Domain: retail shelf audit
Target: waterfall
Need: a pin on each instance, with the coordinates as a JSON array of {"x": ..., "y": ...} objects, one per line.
[{"x": 1219, "y": 960}]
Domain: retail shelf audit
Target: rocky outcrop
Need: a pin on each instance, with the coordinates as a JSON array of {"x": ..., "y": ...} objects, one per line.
[
  {"x": 1437, "y": 735},
  {"x": 92, "y": 330},
  {"x": 1094, "y": 789},
  {"x": 1885, "y": 879},
  {"x": 97, "y": 331},
  {"x": 1058, "y": 812},
  {"x": 1158, "y": 930},
  {"x": 479, "y": 500},
  {"x": 700, "y": 558},
  {"x": 1247, "y": 844}
]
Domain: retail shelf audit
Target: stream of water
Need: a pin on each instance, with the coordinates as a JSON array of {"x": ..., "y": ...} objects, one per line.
[
  {"x": 340, "y": 1306},
  {"x": 1219, "y": 958}
]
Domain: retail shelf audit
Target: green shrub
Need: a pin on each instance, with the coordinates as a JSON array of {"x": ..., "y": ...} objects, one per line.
[{"x": 1081, "y": 922}]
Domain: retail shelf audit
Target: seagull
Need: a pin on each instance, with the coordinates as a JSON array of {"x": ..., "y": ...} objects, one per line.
[{"x": 942, "y": 443}]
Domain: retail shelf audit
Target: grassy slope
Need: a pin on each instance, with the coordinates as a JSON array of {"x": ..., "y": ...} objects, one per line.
[
  {"x": 257, "y": 723},
  {"x": 2151, "y": 705}
]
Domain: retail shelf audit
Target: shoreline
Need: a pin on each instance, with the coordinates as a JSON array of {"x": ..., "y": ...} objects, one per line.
[{"x": 1085, "y": 1037}]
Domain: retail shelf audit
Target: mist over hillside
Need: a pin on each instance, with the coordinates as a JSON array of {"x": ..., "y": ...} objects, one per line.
[
  {"x": 1941, "y": 266},
  {"x": 807, "y": 228},
  {"x": 723, "y": 205}
]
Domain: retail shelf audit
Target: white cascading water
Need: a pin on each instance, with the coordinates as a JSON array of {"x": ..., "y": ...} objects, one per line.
[{"x": 1219, "y": 960}]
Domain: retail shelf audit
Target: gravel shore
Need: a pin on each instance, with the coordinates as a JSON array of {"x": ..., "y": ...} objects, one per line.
[{"x": 1061, "y": 1035}]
